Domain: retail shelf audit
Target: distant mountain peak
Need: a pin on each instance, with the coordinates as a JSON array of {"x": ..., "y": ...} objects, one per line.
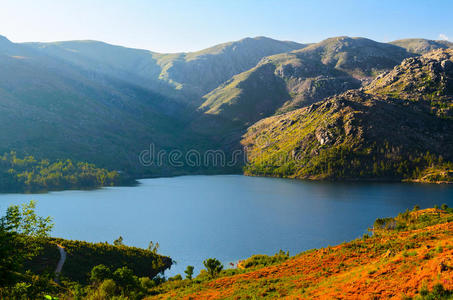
[
  {"x": 4, "y": 39},
  {"x": 421, "y": 46}
]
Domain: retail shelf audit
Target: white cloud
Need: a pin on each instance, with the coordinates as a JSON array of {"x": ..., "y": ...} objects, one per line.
[{"x": 443, "y": 37}]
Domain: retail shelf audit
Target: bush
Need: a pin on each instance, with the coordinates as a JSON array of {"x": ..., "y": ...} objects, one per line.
[
  {"x": 265, "y": 260},
  {"x": 108, "y": 288},
  {"x": 175, "y": 278},
  {"x": 100, "y": 273},
  {"x": 125, "y": 279},
  {"x": 147, "y": 283}
]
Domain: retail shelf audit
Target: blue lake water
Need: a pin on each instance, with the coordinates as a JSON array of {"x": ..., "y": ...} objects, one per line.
[{"x": 229, "y": 217}]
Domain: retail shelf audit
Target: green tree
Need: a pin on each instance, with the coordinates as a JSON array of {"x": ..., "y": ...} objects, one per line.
[
  {"x": 100, "y": 273},
  {"x": 444, "y": 206},
  {"x": 189, "y": 272},
  {"x": 213, "y": 266},
  {"x": 125, "y": 279},
  {"x": 153, "y": 247},
  {"x": 20, "y": 233},
  {"x": 24, "y": 221},
  {"x": 118, "y": 241}
]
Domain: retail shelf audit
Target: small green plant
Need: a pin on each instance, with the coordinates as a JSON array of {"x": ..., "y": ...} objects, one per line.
[
  {"x": 416, "y": 207},
  {"x": 444, "y": 206}
]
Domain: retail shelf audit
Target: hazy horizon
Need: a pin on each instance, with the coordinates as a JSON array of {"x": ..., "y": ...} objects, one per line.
[{"x": 180, "y": 26}]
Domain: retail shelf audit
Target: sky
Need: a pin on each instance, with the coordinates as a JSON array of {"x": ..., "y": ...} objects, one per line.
[{"x": 189, "y": 25}]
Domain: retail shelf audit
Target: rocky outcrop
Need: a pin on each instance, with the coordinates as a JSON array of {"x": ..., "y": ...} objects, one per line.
[
  {"x": 370, "y": 133},
  {"x": 427, "y": 79}
]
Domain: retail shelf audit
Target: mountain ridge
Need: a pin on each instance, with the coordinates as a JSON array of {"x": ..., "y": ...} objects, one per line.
[{"x": 310, "y": 74}]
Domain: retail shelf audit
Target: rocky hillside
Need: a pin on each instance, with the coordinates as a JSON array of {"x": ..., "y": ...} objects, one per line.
[
  {"x": 407, "y": 257},
  {"x": 361, "y": 135},
  {"x": 427, "y": 79},
  {"x": 422, "y": 46},
  {"x": 302, "y": 77}
]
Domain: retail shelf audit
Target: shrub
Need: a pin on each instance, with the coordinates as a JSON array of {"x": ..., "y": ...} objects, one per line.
[
  {"x": 147, "y": 283},
  {"x": 100, "y": 273},
  {"x": 125, "y": 279},
  {"x": 265, "y": 260},
  {"x": 175, "y": 278},
  {"x": 108, "y": 288}
]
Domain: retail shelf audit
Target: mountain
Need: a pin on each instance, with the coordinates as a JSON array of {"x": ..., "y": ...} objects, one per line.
[
  {"x": 185, "y": 76},
  {"x": 52, "y": 109},
  {"x": 93, "y": 102},
  {"x": 367, "y": 134},
  {"x": 422, "y": 46},
  {"x": 290, "y": 80}
]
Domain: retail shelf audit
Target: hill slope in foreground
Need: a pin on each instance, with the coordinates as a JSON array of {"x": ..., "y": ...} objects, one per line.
[{"x": 407, "y": 256}]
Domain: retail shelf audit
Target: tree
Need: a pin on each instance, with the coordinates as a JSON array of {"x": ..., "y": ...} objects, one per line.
[
  {"x": 25, "y": 221},
  {"x": 189, "y": 272},
  {"x": 153, "y": 247},
  {"x": 444, "y": 206},
  {"x": 213, "y": 266},
  {"x": 125, "y": 279},
  {"x": 416, "y": 207},
  {"x": 20, "y": 232},
  {"x": 118, "y": 241},
  {"x": 100, "y": 273}
]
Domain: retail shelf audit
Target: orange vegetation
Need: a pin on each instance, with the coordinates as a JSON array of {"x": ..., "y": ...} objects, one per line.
[{"x": 389, "y": 265}]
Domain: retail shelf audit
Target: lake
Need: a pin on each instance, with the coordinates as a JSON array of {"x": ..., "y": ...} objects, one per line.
[{"x": 229, "y": 217}]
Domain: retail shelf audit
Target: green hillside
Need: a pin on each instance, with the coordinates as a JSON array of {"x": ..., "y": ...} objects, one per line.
[
  {"x": 83, "y": 256},
  {"x": 287, "y": 81},
  {"x": 184, "y": 76},
  {"x": 51, "y": 109}
]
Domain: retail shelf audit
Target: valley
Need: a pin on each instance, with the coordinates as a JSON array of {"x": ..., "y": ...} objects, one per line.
[{"x": 93, "y": 102}]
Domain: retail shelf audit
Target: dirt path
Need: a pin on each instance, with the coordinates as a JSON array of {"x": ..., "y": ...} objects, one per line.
[{"x": 60, "y": 262}]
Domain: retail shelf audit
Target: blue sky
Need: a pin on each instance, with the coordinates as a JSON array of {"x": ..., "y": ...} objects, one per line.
[{"x": 187, "y": 25}]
